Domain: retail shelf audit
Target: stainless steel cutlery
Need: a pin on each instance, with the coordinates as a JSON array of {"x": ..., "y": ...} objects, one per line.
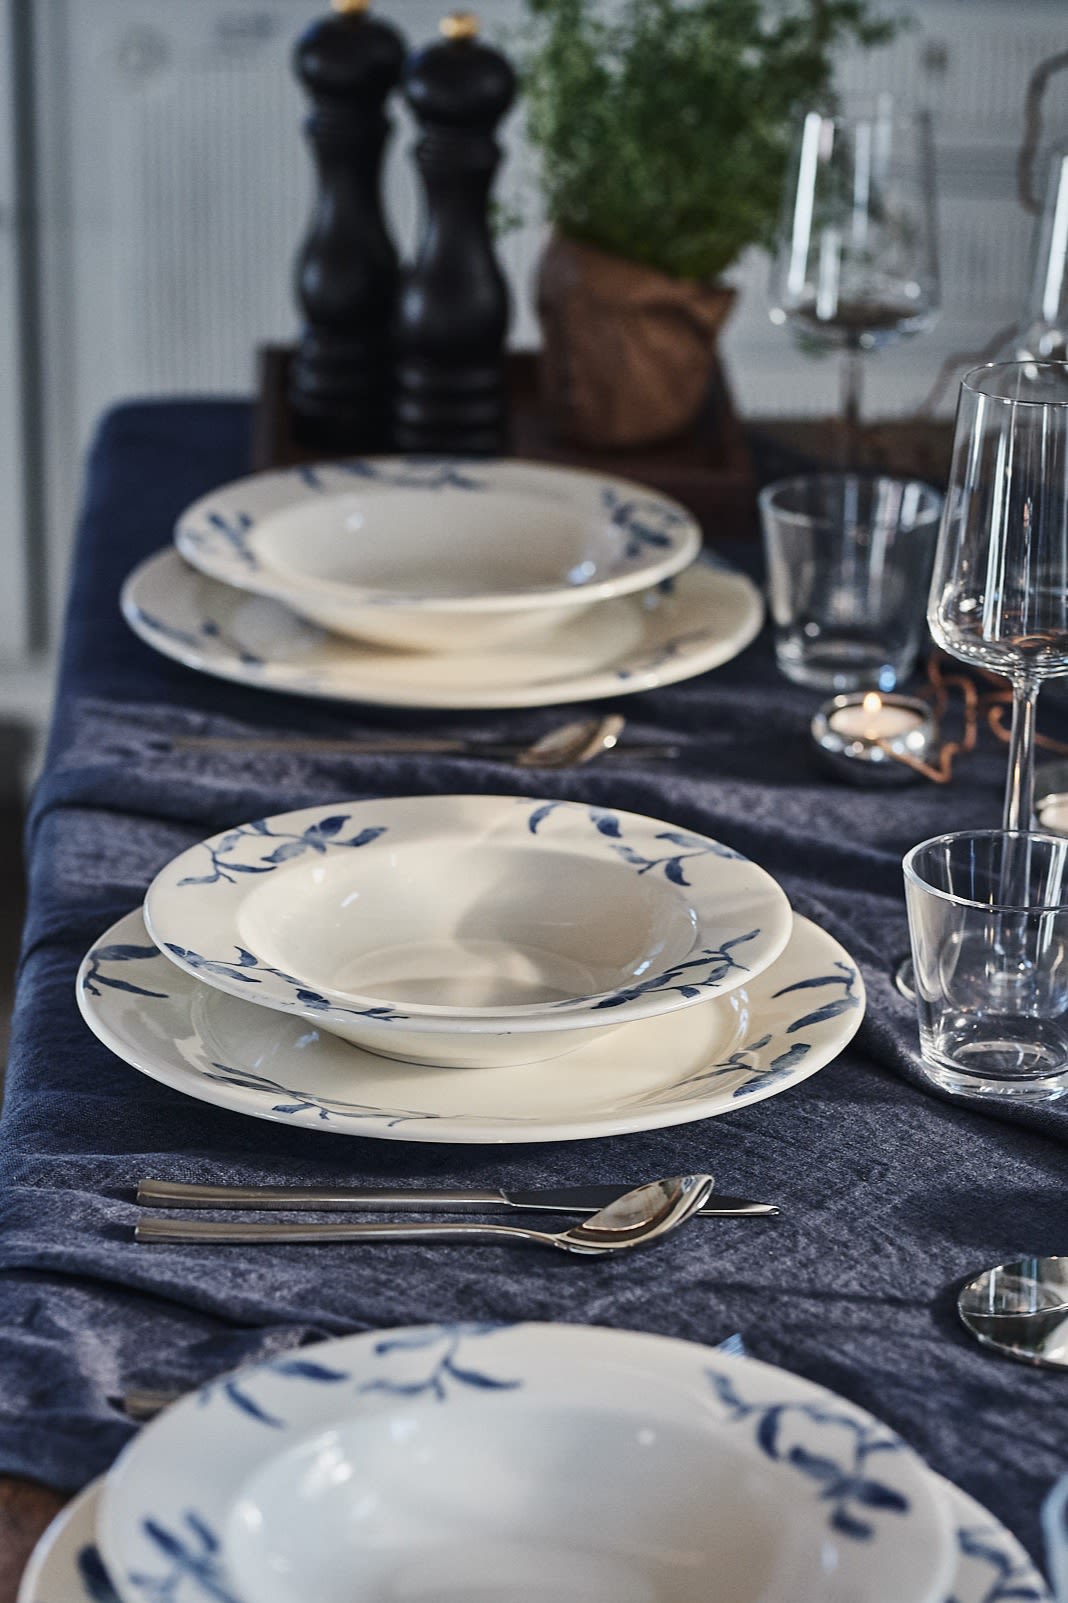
[
  {"x": 345, "y": 1199},
  {"x": 635, "y": 1218},
  {"x": 568, "y": 745}
]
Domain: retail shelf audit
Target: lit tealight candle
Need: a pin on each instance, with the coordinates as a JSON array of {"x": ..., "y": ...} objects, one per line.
[
  {"x": 875, "y": 719},
  {"x": 862, "y": 737}
]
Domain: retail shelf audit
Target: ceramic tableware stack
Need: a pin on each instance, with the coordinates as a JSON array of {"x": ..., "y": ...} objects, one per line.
[
  {"x": 495, "y": 969},
  {"x": 522, "y": 1463},
  {"x": 470, "y": 968},
  {"x": 441, "y": 584}
]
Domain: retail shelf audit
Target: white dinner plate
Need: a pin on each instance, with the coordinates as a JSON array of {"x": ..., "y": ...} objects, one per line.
[
  {"x": 521, "y": 1463},
  {"x": 697, "y": 621},
  {"x": 467, "y": 931},
  {"x": 757, "y": 1041},
  {"x": 66, "y": 1566},
  {"x": 437, "y": 555}
]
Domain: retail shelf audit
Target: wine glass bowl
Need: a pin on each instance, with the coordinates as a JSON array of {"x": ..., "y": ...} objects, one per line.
[{"x": 999, "y": 592}]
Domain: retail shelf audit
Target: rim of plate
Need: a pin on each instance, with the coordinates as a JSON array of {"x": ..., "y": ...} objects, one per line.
[
  {"x": 988, "y": 1554},
  {"x": 216, "y": 533},
  {"x": 665, "y": 655},
  {"x": 609, "y": 835},
  {"x": 766, "y": 1063},
  {"x": 172, "y": 1485}
]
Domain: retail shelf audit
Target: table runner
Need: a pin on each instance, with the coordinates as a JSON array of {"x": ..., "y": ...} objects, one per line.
[{"x": 891, "y": 1194}]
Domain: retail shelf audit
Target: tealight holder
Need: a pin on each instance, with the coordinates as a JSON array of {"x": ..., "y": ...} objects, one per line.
[
  {"x": 872, "y": 738},
  {"x": 1051, "y": 797}
]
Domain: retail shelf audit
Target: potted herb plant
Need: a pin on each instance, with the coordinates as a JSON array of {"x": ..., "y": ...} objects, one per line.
[{"x": 664, "y": 128}]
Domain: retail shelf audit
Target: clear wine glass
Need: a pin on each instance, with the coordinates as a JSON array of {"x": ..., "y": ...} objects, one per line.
[
  {"x": 1043, "y": 334},
  {"x": 999, "y": 593},
  {"x": 857, "y": 261}
]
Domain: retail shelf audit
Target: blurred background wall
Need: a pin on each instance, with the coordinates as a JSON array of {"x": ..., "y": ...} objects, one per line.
[{"x": 154, "y": 185}]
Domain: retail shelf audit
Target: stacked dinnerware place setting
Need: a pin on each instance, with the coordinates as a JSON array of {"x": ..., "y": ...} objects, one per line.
[
  {"x": 484, "y": 970},
  {"x": 526, "y": 1462},
  {"x": 446, "y": 584},
  {"x": 492, "y": 969}
]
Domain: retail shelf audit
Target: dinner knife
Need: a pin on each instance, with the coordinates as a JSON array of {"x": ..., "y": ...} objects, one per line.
[
  {"x": 400, "y": 746},
  {"x": 344, "y": 1199}
]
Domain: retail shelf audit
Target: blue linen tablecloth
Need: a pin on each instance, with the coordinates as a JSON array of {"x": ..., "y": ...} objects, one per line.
[{"x": 891, "y": 1195}]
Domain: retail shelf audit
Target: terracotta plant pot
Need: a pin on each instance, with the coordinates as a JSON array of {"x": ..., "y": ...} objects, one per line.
[{"x": 627, "y": 352}]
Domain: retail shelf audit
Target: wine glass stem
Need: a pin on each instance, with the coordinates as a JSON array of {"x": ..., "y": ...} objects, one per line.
[
  {"x": 852, "y": 377},
  {"x": 1020, "y": 788}
]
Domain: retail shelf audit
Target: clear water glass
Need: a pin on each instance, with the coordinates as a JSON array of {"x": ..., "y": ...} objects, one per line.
[
  {"x": 999, "y": 592},
  {"x": 988, "y": 923},
  {"x": 848, "y": 565}
]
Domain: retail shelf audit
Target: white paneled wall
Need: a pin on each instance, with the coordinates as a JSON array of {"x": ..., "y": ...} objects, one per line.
[
  {"x": 14, "y": 532},
  {"x": 174, "y": 187}
]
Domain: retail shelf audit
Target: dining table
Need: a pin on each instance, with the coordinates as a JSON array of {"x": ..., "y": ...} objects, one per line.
[{"x": 891, "y": 1192}]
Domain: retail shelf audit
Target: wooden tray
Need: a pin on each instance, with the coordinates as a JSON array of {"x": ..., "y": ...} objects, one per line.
[{"x": 708, "y": 468}]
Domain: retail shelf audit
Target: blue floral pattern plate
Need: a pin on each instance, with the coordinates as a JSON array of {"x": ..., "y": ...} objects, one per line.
[
  {"x": 455, "y": 1461},
  {"x": 437, "y": 555},
  {"x": 467, "y": 931},
  {"x": 695, "y": 622},
  {"x": 992, "y": 1567},
  {"x": 762, "y": 1039}
]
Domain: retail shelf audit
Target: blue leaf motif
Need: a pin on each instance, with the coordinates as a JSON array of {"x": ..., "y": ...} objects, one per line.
[
  {"x": 306, "y": 1369},
  {"x": 767, "y": 1432},
  {"x": 119, "y": 953},
  {"x": 790, "y": 1058},
  {"x": 94, "y": 1577},
  {"x": 326, "y": 828},
  {"x": 1012, "y": 1580},
  {"x": 281, "y": 854},
  {"x": 194, "y": 1559},
  {"x": 819, "y": 1469},
  {"x": 366, "y": 836},
  {"x": 539, "y": 815},
  {"x": 814, "y": 982},
  {"x": 318, "y": 837},
  {"x": 829, "y": 1010},
  {"x": 840, "y": 1468},
  {"x": 200, "y": 1528},
  {"x": 447, "y": 1368},
  {"x": 874, "y": 1495},
  {"x": 248, "y": 1405},
  {"x": 163, "y": 1538},
  {"x": 472, "y": 1377},
  {"x": 248, "y": 969},
  {"x": 844, "y": 1522}
]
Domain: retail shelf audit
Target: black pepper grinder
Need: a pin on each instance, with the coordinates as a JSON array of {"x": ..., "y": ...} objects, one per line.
[
  {"x": 347, "y": 269},
  {"x": 449, "y": 374}
]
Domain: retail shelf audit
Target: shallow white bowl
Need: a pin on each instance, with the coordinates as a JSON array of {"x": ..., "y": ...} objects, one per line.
[
  {"x": 66, "y": 1562},
  {"x": 523, "y": 1465},
  {"x": 467, "y": 931},
  {"x": 437, "y": 556}
]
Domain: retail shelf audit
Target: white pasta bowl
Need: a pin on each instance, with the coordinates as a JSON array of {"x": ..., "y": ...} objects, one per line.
[
  {"x": 467, "y": 931},
  {"x": 464, "y": 1463},
  {"x": 437, "y": 555}
]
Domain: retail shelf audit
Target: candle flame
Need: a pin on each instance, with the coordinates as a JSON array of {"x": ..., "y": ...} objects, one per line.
[{"x": 872, "y": 703}]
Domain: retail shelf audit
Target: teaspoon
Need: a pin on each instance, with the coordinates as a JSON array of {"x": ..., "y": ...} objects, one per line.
[
  {"x": 635, "y": 1219},
  {"x": 1021, "y": 1310}
]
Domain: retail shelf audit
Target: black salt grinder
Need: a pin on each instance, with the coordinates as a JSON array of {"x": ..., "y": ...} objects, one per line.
[
  {"x": 449, "y": 375},
  {"x": 347, "y": 271}
]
